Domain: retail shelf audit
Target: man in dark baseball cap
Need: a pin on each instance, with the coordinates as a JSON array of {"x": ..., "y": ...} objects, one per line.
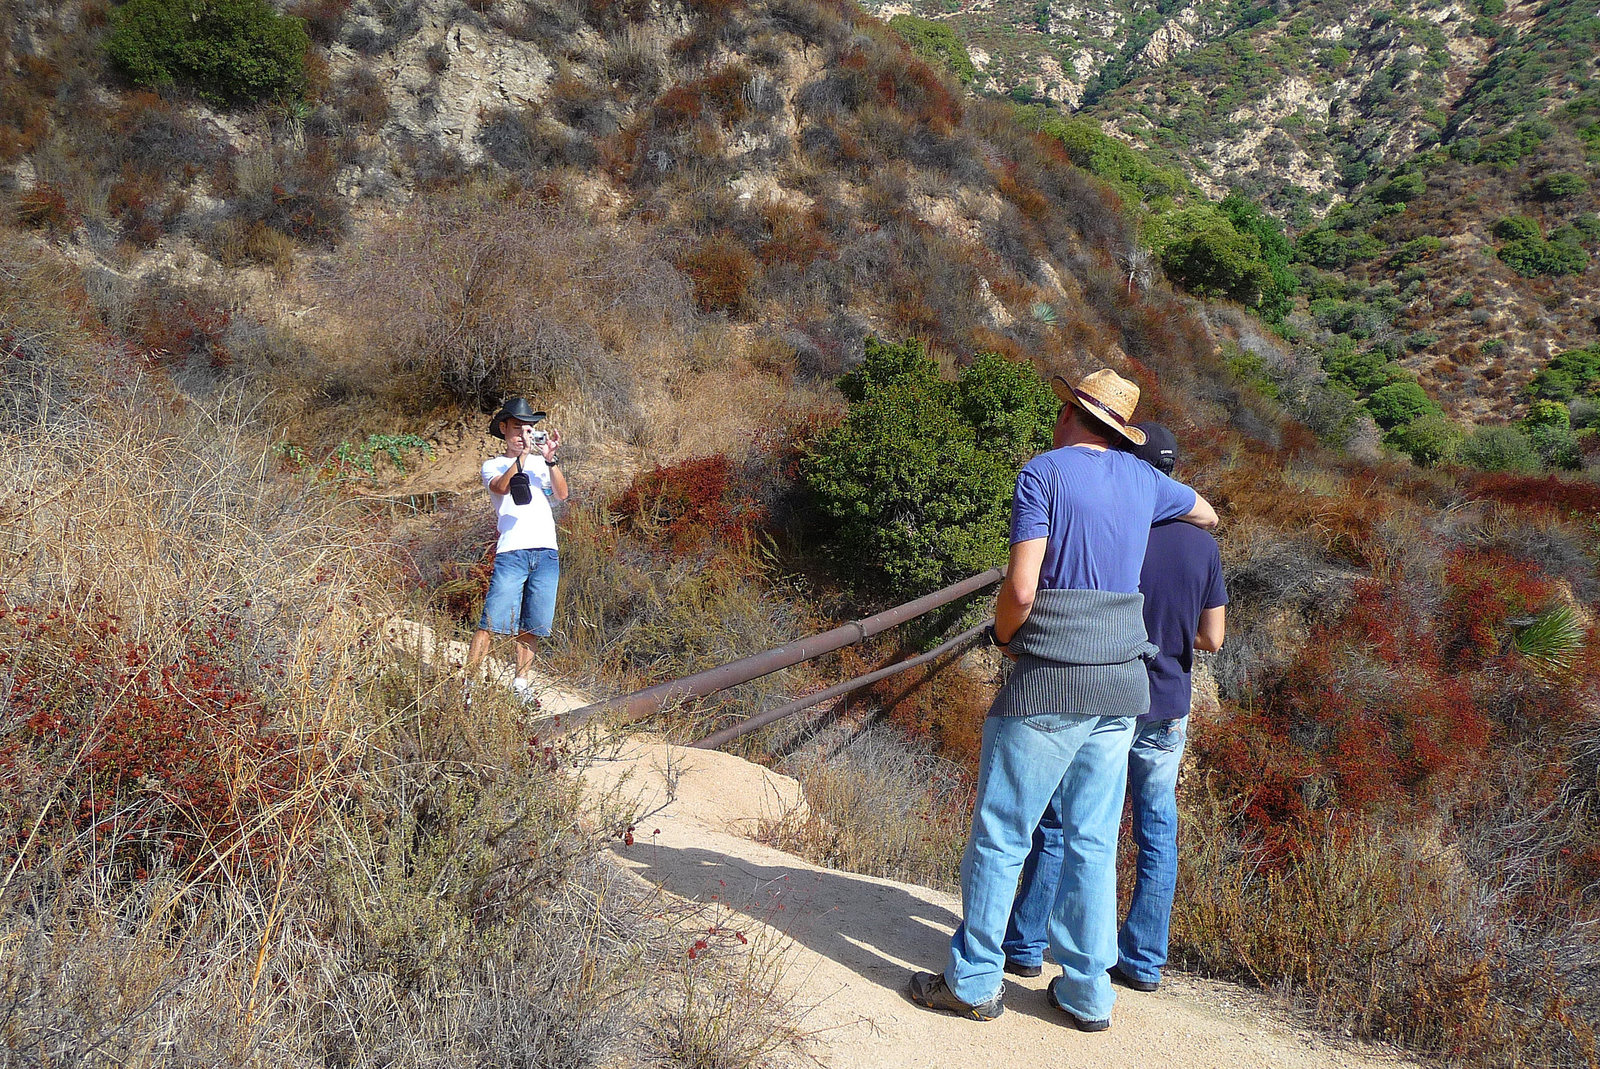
[{"x": 1184, "y": 607}]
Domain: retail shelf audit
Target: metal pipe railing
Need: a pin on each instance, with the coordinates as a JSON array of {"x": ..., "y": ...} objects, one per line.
[
  {"x": 642, "y": 703},
  {"x": 967, "y": 638}
]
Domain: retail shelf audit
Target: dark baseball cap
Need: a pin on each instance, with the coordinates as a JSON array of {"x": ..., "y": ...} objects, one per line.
[{"x": 1160, "y": 448}]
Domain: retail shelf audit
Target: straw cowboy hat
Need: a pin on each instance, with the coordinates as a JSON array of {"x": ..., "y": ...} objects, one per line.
[{"x": 1106, "y": 396}]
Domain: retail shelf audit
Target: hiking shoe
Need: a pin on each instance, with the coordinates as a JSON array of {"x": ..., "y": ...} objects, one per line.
[
  {"x": 1017, "y": 968},
  {"x": 1077, "y": 1022},
  {"x": 524, "y": 691},
  {"x": 1120, "y": 977},
  {"x": 931, "y": 991}
]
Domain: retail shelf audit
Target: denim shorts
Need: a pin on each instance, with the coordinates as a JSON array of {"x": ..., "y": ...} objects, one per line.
[{"x": 522, "y": 592}]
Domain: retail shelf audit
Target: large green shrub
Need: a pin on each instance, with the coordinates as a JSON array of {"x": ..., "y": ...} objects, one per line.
[
  {"x": 230, "y": 52},
  {"x": 1569, "y": 374},
  {"x": 1499, "y": 448},
  {"x": 1535, "y": 256},
  {"x": 936, "y": 42},
  {"x": 916, "y": 483},
  {"x": 1203, "y": 251},
  {"x": 1398, "y": 403},
  {"x": 1431, "y": 438}
]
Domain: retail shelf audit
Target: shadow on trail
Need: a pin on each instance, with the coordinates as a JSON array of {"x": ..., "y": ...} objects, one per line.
[{"x": 874, "y": 929}]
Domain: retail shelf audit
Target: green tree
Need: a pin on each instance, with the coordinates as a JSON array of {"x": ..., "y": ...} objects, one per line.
[
  {"x": 916, "y": 482},
  {"x": 1431, "y": 438},
  {"x": 230, "y": 52},
  {"x": 1398, "y": 403}
]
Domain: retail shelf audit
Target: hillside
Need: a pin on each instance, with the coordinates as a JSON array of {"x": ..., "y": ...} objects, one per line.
[
  {"x": 1317, "y": 108},
  {"x": 790, "y": 292}
]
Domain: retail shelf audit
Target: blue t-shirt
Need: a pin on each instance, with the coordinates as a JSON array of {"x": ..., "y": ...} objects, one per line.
[
  {"x": 1182, "y": 577},
  {"x": 1096, "y": 507}
]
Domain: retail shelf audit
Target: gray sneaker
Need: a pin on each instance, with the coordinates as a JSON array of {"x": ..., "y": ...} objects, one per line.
[{"x": 930, "y": 990}]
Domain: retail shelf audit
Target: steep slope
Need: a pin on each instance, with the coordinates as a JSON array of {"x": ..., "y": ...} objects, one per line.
[{"x": 1318, "y": 105}]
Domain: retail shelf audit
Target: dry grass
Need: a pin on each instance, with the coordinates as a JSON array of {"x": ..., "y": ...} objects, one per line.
[
  {"x": 409, "y": 882},
  {"x": 879, "y": 807}
]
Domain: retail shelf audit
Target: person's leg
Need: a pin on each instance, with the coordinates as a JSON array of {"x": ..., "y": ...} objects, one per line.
[
  {"x": 1027, "y": 934},
  {"x": 478, "y": 649},
  {"x": 1020, "y": 768},
  {"x": 501, "y": 605},
  {"x": 1153, "y": 787},
  {"x": 538, "y": 610},
  {"x": 527, "y": 646},
  {"x": 1083, "y": 924}
]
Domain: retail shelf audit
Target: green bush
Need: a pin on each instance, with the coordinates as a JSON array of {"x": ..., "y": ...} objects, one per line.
[
  {"x": 1548, "y": 426},
  {"x": 915, "y": 484},
  {"x": 1431, "y": 438},
  {"x": 1517, "y": 228},
  {"x": 1567, "y": 375},
  {"x": 230, "y": 52},
  {"x": 1499, "y": 448},
  {"x": 1531, "y": 257},
  {"x": 1399, "y": 403},
  {"x": 1249, "y": 219},
  {"x": 1128, "y": 171},
  {"x": 1415, "y": 250},
  {"x": 1402, "y": 188},
  {"x": 1556, "y": 445},
  {"x": 937, "y": 43},
  {"x": 1360, "y": 371},
  {"x": 1560, "y": 184}
]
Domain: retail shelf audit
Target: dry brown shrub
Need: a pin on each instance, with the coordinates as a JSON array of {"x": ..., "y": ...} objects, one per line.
[
  {"x": 479, "y": 299},
  {"x": 722, "y": 270}
]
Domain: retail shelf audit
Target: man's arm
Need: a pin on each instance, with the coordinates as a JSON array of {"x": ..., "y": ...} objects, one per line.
[
  {"x": 1202, "y": 515},
  {"x": 1213, "y": 624},
  {"x": 558, "y": 481},
  {"x": 1015, "y": 600},
  {"x": 501, "y": 484}
]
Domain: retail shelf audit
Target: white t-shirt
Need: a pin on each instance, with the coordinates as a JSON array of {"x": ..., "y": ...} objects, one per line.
[{"x": 530, "y": 526}]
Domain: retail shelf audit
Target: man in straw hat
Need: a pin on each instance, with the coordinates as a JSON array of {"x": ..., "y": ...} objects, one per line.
[
  {"x": 522, "y": 591},
  {"x": 1185, "y": 603},
  {"x": 1070, "y": 614}
]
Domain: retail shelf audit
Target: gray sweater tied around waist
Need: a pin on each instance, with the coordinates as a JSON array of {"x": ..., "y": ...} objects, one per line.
[{"x": 1080, "y": 651}]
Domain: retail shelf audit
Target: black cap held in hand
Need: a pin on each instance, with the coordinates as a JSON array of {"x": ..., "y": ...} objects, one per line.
[{"x": 1160, "y": 449}]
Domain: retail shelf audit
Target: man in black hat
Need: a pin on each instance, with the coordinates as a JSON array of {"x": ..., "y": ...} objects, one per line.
[
  {"x": 522, "y": 591},
  {"x": 1184, "y": 607}
]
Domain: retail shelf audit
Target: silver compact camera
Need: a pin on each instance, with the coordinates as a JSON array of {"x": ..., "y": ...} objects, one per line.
[{"x": 538, "y": 438}]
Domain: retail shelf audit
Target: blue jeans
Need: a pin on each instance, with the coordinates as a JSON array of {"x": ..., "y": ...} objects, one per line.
[
  {"x": 522, "y": 592},
  {"x": 1152, "y": 785},
  {"x": 1027, "y": 764}
]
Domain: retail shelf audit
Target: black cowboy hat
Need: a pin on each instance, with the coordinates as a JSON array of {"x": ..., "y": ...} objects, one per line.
[{"x": 515, "y": 408}]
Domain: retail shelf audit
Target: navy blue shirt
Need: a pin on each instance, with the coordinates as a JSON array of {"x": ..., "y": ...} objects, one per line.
[
  {"x": 1182, "y": 577},
  {"x": 1096, "y": 507}
]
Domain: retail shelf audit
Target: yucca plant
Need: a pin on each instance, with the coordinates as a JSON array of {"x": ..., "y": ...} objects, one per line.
[
  {"x": 1552, "y": 640},
  {"x": 1044, "y": 313}
]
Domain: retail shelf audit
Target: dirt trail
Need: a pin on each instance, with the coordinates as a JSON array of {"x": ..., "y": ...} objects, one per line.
[
  {"x": 856, "y": 940},
  {"x": 851, "y": 942}
]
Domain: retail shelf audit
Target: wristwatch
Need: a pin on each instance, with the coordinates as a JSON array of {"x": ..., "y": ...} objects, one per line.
[
  {"x": 994, "y": 639},
  {"x": 553, "y": 461}
]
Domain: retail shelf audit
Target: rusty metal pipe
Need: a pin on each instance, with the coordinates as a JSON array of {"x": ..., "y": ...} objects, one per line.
[
  {"x": 967, "y": 638},
  {"x": 642, "y": 703}
]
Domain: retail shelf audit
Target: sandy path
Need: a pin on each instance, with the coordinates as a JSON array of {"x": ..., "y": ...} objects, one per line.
[
  {"x": 849, "y": 942},
  {"x": 856, "y": 939}
]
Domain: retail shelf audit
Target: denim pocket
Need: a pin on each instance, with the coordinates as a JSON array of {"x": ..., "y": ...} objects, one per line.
[
  {"x": 1051, "y": 723},
  {"x": 1171, "y": 740}
]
